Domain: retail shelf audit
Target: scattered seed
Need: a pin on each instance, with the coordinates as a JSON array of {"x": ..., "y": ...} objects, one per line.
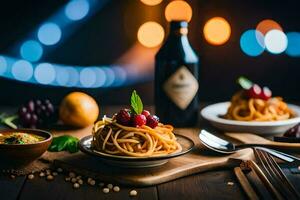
[
  {"x": 133, "y": 193},
  {"x": 59, "y": 170},
  {"x": 54, "y": 173},
  {"x": 72, "y": 174},
  {"x": 42, "y": 174},
  {"x": 48, "y": 171},
  {"x": 230, "y": 183},
  {"x": 92, "y": 182},
  {"x": 12, "y": 176},
  {"x": 110, "y": 186},
  {"x": 89, "y": 180},
  {"x": 76, "y": 185},
  {"x": 101, "y": 184},
  {"x": 73, "y": 180},
  {"x": 30, "y": 176},
  {"x": 50, "y": 177},
  {"x": 78, "y": 177},
  {"x": 105, "y": 190},
  {"x": 80, "y": 181},
  {"x": 116, "y": 188}
]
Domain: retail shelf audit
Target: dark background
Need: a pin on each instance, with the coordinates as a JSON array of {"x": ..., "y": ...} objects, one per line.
[{"x": 112, "y": 31}]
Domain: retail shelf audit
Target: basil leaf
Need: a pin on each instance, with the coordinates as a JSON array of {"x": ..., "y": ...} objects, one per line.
[
  {"x": 72, "y": 147},
  {"x": 136, "y": 103},
  {"x": 64, "y": 143}
]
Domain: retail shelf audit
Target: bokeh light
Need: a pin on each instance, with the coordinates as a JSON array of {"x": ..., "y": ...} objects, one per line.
[
  {"x": 3, "y": 65},
  {"x": 151, "y": 34},
  {"x": 73, "y": 77},
  {"x": 62, "y": 76},
  {"x": 22, "y": 70},
  {"x": 293, "y": 48},
  {"x": 77, "y": 9},
  {"x": 217, "y": 31},
  {"x": 31, "y": 50},
  {"x": 87, "y": 77},
  {"x": 276, "y": 41},
  {"x": 100, "y": 77},
  {"x": 266, "y": 25},
  {"x": 249, "y": 43},
  {"x": 110, "y": 76},
  {"x": 49, "y": 34},
  {"x": 178, "y": 11},
  {"x": 44, "y": 73},
  {"x": 151, "y": 2}
]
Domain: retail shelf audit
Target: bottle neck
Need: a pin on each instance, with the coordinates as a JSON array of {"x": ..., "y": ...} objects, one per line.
[{"x": 179, "y": 32}]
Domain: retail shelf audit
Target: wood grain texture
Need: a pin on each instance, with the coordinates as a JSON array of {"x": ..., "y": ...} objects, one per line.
[
  {"x": 210, "y": 185},
  {"x": 10, "y": 188},
  {"x": 59, "y": 189}
]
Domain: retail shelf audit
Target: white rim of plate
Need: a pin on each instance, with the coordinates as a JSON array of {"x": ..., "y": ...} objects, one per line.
[{"x": 212, "y": 113}]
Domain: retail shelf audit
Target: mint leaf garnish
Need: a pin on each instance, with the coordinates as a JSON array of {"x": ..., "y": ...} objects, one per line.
[
  {"x": 136, "y": 103},
  {"x": 244, "y": 83}
]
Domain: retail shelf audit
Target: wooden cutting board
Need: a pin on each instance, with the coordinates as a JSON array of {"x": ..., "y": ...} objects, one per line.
[{"x": 199, "y": 160}]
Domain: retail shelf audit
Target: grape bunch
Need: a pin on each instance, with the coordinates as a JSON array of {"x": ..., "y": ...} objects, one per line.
[{"x": 37, "y": 113}]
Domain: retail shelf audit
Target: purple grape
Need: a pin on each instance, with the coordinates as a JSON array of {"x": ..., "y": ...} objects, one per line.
[
  {"x": 30, "y": 106},
  {"x": 34, "y": 119},
  {"x": 22, "y": 111},
  {"x": 37, "y": 113},
  {"x": 38, "y": 102},
  {"x": 27, "y": 119}
]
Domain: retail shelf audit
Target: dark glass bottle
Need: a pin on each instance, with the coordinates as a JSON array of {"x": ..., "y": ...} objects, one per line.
[{"x": 176, "y": 79}]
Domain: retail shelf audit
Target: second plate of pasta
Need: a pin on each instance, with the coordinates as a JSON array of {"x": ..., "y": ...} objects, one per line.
[{"x": 216, "y": 115}]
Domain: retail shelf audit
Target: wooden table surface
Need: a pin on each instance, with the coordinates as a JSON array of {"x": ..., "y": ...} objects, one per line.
[{"x": 208, "y": 185}]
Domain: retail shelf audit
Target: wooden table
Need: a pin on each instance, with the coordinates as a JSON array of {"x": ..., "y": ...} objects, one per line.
[{"x": 208, "y": 185}]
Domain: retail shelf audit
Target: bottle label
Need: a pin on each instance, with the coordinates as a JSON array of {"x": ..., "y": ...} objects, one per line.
[{"x": 181, "y": 87}]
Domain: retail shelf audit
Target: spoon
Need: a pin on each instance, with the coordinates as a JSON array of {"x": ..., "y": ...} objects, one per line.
[{"x": 220, "y": 145}]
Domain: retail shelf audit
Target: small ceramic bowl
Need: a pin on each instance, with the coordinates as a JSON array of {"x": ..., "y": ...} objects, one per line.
[{"x": 12, "y": 155}]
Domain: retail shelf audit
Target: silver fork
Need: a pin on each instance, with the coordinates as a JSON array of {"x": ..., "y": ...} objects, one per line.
[{"x": 275, "y": 175}]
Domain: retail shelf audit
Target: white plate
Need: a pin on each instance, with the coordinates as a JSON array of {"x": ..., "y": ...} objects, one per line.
[{"x": 213, "y": 112}]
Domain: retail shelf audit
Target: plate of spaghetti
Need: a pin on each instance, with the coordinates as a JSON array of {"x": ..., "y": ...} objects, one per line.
[
  {"x": 134, "y": 138},
  {"x": 253, "y": 109}
]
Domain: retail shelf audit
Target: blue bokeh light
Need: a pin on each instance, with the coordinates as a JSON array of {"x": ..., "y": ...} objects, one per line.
[
  {"x": 49, "y": 33},
  {"x": 100, "y": 77},
  {"x": 87, "y": 77},
  {"x": 31, "y": 50},
  {"x": 293, "y": 48},
  {"x": 73, "y": 77},
  {"x": 110, "y": 76},
  {"x": 77, "y": 9},
  {"x": 3, "y": 65},
  {"x": 22, "y": 70},
  {"x": 249, "y": 43},
  {"x": 62, "y": 75},
  {"x": 121, "y": 74},
  {"x": 44, "y": 73}
]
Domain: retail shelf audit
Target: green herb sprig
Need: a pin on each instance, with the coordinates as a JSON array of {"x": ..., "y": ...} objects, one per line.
[
  {"x": 8, "y": 120},
  {"x": 64, "y": 143},
  {"x": 244, "y": 83},
  {"x": 136, "y": 103}
]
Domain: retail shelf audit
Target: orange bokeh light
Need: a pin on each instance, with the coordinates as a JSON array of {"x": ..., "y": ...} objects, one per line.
[
  {"x": 267, "y": 25},
  {"x": 151, "y": 34},
  {"x": 151, "y": 2},
  {"x": 178, "y": 10},
  {"x": 217, "y": 31}
]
